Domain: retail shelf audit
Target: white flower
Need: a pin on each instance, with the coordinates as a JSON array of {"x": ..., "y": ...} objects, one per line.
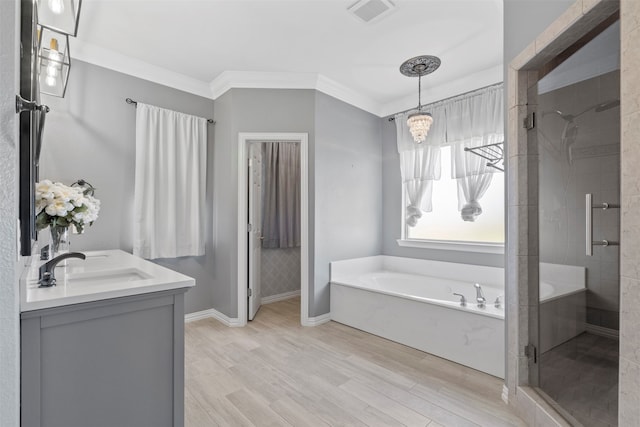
[
  {"x": 44, "y": 190},
  {"x": 57, "y": 208},
  {"x": 56, "y": 200}
]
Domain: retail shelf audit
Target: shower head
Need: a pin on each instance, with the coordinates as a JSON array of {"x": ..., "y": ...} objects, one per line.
[
  {"x": 607, "y": 105},
  {"x": 597, "y": 108}
]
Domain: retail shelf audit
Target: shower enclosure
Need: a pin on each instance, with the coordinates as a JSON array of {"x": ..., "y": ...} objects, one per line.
[{"x": 578, "y": 140}]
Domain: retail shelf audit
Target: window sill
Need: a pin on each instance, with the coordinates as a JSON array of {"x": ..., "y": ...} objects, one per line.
[{"x": 445, "y": 245}]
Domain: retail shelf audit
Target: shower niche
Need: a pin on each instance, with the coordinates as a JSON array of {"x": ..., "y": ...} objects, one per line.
[{"x": 578, "y": 141}]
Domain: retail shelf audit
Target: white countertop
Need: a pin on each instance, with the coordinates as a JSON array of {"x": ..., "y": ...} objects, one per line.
[{"x": 102, "y": 275}]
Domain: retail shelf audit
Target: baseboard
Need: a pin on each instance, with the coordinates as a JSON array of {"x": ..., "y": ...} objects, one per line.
[
  {"x": 212, "y": 313},
  {"x": 280, "y": 297},
  {"x": 318, "y": 320},
  {"x": 505, "y": 394},
  {"x": 603, "y": 332}
]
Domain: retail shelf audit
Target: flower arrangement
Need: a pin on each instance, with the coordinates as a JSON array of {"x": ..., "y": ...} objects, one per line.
[{"x": 59, "y": 205}]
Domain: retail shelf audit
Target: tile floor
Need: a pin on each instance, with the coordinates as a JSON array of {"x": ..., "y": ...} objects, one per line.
[
  {"x": 275, "y": 372},
  {"x": 581, "y": 375}
]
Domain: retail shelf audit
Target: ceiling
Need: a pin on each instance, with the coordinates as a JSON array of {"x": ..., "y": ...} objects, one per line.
[{"x": 209, "y": 46}]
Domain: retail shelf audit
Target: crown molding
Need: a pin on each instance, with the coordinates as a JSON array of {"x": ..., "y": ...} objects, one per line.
[
  {"x": 467, "y": 83},
  {"x": 94, "y": 54},
  {"x": 106, "y": 58},
  {"x": 282, "y": 80}
]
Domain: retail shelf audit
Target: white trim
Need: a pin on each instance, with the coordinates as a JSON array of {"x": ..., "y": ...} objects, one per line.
[
  {"x": 243, "y": 139},
  {"x": 505, "y": 394},
  {"x": 450, "y": 245},
  {"x": 318, "y": 320},
  {"x": 106, "y": 58},
  {"x": 281, "y": 80},
  {"x": 212, "y": 313},
  {"x": 602, "y": 331},
  {"x": 280, "y": 297}
]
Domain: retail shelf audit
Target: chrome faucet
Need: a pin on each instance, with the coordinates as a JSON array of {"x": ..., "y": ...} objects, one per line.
[
  {"x": 480, "y": 299},
  {"x": 463, "y": 300},
  {"x": 47, "y": 277}
]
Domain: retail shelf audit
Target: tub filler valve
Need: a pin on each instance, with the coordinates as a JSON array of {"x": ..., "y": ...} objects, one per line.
[
  {"x": 463, "y": 300},
  {"x": 480, "y": 299}
]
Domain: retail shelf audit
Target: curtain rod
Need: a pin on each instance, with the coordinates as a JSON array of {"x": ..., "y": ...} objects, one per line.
[
  {"x": 132, "y": 102},
  {"x": 391, "y": 119}
]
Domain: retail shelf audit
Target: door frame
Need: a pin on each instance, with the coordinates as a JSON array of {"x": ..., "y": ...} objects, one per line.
[{"x": 244, "y": 138}]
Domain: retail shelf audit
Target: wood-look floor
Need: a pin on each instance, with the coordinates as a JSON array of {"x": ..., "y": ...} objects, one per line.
[{"x": 275, "y": 372}]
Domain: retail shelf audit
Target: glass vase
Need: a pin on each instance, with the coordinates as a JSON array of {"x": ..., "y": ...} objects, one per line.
[{"x": 59, "y": 240}]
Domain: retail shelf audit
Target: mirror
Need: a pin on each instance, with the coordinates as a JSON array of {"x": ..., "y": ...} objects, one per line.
[{"x": 31, "y": 122}]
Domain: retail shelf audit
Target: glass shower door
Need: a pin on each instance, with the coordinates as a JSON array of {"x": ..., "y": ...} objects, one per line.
[{"x": 578, "y": 137}]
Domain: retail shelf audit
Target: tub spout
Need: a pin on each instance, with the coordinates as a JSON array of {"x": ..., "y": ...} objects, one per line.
[{"x": 480, "y": 299}]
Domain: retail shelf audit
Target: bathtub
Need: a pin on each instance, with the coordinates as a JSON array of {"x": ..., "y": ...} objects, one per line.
[
  {"x": 411, "y": 301},
  {"x": 563, "y": 304}
]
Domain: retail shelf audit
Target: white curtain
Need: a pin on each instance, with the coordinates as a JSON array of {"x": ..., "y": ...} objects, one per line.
[
  {"x": 170, "y": 180},
  {"x": 419, "y": 164},
  {"x": 471, "y": 122}
]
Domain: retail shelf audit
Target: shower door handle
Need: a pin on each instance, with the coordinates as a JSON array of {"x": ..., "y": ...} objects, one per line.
[{"x": 588, "y": 209}]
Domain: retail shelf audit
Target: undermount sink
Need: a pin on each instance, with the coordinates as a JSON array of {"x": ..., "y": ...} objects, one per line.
[
  {"x": 101, "y": 275},
  {"x": 95, "y": 278}
]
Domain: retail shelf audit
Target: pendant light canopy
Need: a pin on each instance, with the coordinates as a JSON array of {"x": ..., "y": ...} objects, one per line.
[{"x": 419, "y": 122}]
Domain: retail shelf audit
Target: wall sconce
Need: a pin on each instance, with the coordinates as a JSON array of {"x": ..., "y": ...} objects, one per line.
[
  {"x": 60, "y": 15},
  {"x": 55, "y": 62}
]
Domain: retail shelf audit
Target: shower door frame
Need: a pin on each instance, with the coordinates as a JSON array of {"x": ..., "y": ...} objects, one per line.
[
  {"x": 244, "y": 139},
  {"x": 580, "y": 21}
]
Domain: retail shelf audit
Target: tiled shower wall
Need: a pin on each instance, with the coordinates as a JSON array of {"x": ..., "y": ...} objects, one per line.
[
  {"x": 586, "y": 161},
  {"x": 280, "y": 271},
  {"x": 629, "y": 412}
]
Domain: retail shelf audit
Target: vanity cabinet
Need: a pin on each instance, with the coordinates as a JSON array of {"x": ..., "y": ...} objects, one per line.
[{"x": 117, "y": 362}]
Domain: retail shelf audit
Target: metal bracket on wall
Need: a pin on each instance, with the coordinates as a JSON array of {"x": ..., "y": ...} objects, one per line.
[
  {"x": 529, "y": 122},
  {"x": 531, "y": 352}
]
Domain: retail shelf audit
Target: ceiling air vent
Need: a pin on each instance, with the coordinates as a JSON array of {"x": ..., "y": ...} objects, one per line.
[{"x": 371, "y": 10}]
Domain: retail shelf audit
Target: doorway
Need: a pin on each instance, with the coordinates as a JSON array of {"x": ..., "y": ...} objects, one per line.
[
  {"x": 578, "y": 140},
  {"x": 252, "y": 171}
]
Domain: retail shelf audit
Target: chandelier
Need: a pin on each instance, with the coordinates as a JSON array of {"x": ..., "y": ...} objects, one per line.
[{"x": 420, "y": 122}]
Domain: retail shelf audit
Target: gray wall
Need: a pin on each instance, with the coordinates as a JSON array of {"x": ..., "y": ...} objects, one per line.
[
  {"x": 348, "y": 197},
  {"x": 248, "y": 110},
  {"x": 392, "y": 211},
  {"x": 90, "y": 134},
  {"x": 524, "y": 20},
  {"x": 10, "y": 270},
  {"x": 344, "y": 181}
]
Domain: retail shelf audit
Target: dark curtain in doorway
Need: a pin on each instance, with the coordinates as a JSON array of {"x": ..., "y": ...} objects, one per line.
[{"x": 281, "y": 203}]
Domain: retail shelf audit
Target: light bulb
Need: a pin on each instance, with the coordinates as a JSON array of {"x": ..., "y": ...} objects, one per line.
[
  {"x": 53, "y": 64},
  {"x": 56, "y": 6}
]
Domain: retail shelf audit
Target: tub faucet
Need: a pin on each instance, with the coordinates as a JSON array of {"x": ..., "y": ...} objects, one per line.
[
  {"x": 47, "y": 277},
  {"x": 463, "y": 300},
  {"x": 480, "y": 299}
]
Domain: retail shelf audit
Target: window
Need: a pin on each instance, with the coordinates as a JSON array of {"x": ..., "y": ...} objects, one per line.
[{"x": 444, "y": 222}]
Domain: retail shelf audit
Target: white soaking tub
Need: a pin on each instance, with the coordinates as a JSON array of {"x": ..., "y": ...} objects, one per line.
[
  {"x": 563, "y": 304},
  {"x": 411, "y": 301}
]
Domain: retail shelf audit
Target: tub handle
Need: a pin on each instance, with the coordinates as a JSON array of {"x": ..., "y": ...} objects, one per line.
[
  {"x": 497, "y": 302},
  {"x": 463, "y": 300}
]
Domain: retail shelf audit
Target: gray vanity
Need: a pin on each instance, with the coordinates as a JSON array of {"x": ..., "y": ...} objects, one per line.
[{"x": 105, "y": 347}]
